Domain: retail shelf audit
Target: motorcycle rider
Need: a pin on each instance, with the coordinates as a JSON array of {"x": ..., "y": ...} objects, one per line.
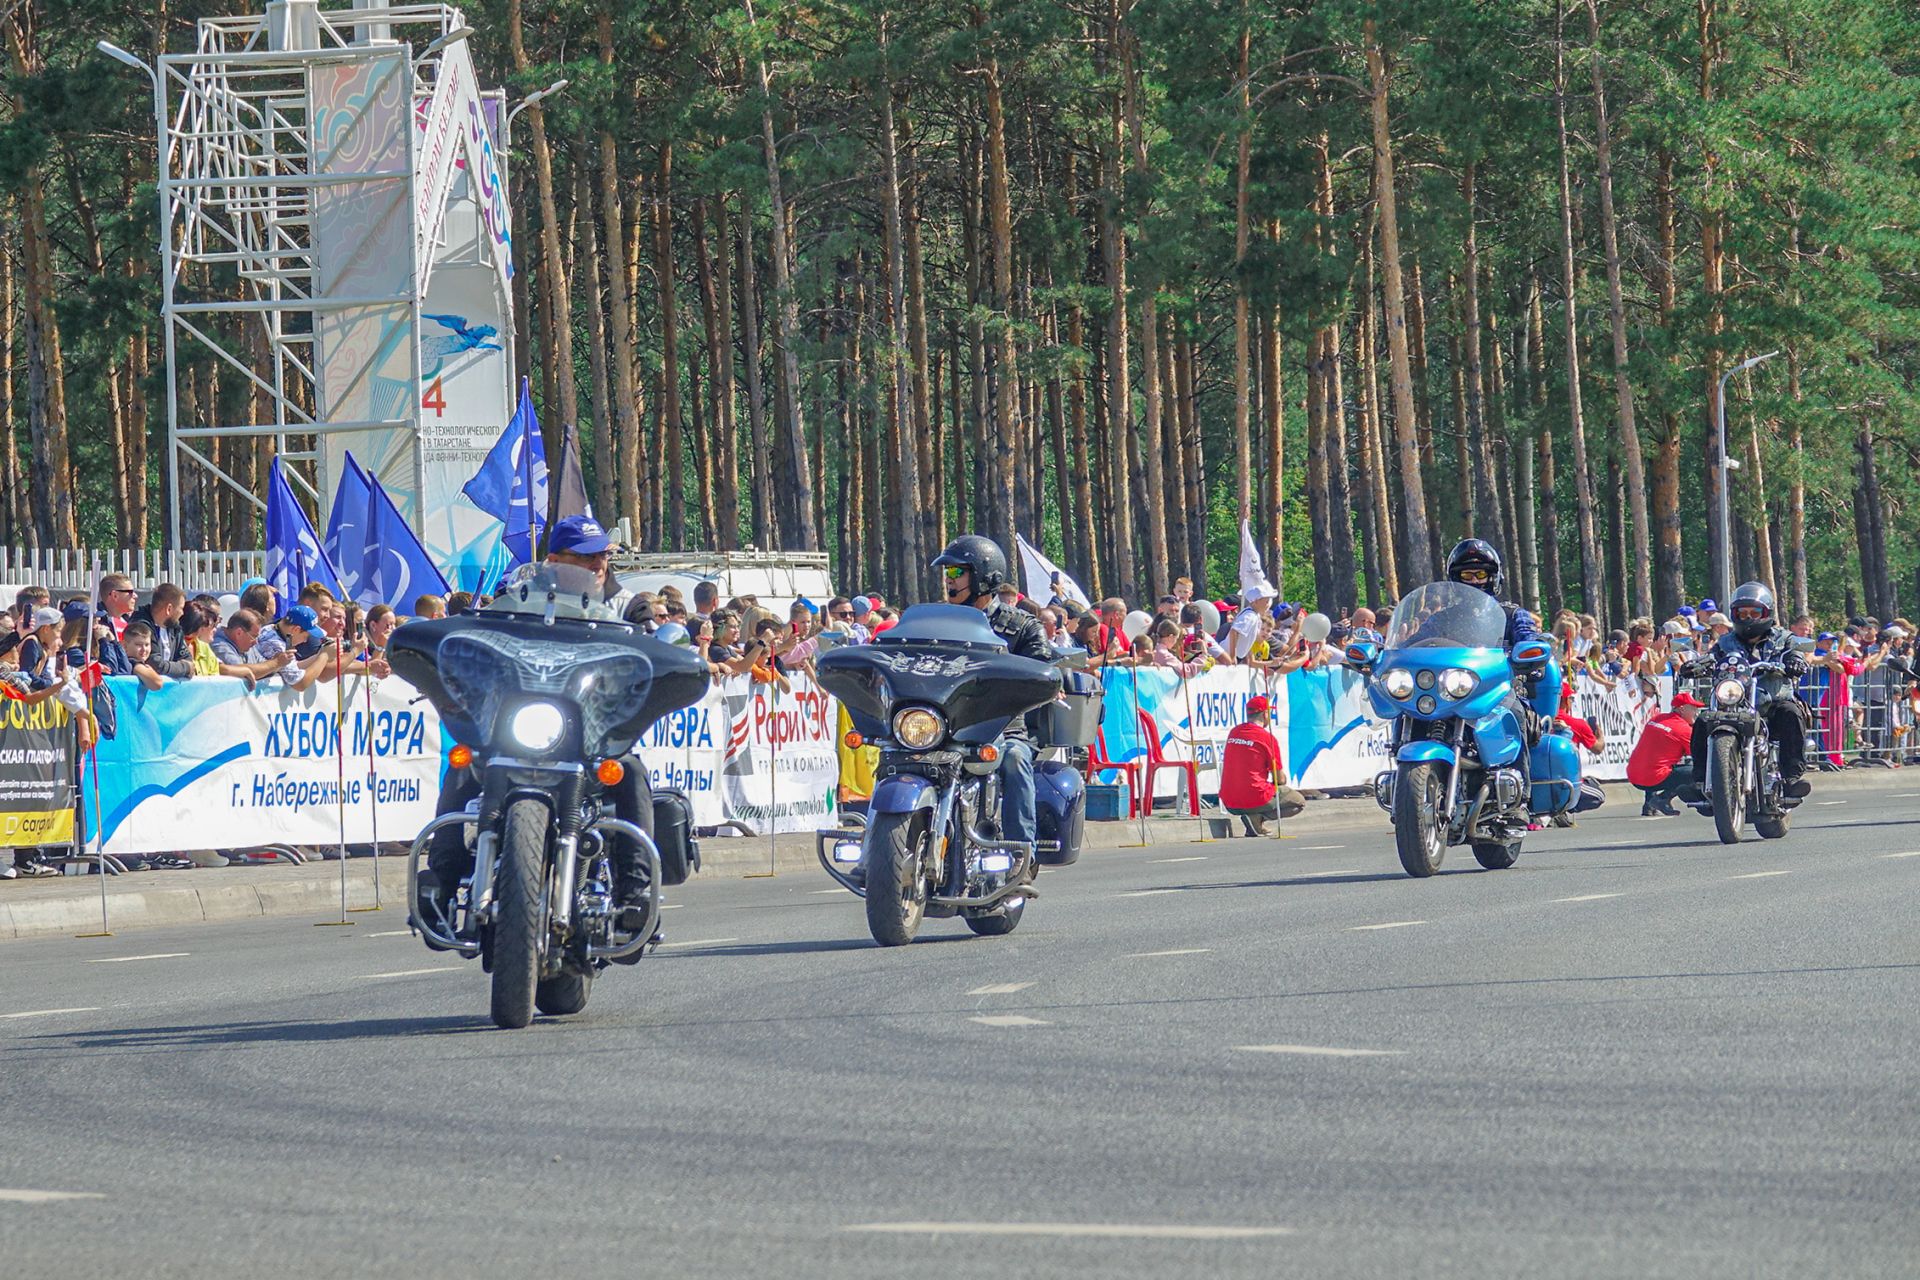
[
  {"x": 1474, "y": 563},
  {"x": 973, "y": 569},
  {"x": 1757, "y": 636},
  {"x": 580, "y": 542}
]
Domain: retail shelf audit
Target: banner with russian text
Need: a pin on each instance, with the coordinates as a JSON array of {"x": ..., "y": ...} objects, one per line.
[{"x": 36, "y": 773}]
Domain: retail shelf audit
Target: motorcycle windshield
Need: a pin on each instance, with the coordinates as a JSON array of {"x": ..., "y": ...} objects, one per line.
[
  {"x": 1447, "y": 615},
  {"x": 571, "y": 591},
  {"x": 970, "y": 686}
]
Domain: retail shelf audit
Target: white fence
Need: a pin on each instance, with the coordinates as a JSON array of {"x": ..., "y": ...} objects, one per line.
[{"x": 70, "y": 568}]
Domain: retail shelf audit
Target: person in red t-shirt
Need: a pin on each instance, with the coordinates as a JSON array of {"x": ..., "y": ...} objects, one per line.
[
  {"x": 1664, "y": 743},
  {"x": 1252, "y": 786}
]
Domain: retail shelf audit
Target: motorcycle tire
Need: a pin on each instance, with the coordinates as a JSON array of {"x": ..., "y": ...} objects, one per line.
[
  {"x": 1772, "y": 828},
  {"x": 564, "y": 994},
  {"x": 1417, "y": 833},
  {"x": 1729, "y": 792},
  {"x": 1496, "y": 855},
  {"x": 1002, "y": 922},
  {"x": 896, "y": 891},
  {"x": 519, "y": 919}
]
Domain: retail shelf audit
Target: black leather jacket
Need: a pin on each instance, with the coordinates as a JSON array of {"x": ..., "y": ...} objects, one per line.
[
  {"x": 1776, "y": 646},
  {"x": 1026, "y": 639}
]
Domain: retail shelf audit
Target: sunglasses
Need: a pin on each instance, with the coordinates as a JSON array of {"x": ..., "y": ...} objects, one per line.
[
  {"x": 844, "y": 613},
  {"x": 1475, "y": 576},
  {"x": 955, "y": 572}
]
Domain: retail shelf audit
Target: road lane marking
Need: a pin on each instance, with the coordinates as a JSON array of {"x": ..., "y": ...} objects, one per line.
[
  {"x": 410, "y": 973},
  {"x": 1148, "y": 893},
  {"x": 1000, "y": 989},
  {"x": 1186, "y": 951},
  {"x": 1320, "y": 848},
  {"x": 1615, "y": 844},
  {"x": 1912, "y": 853},
  {"x": 1198, "y": 857},
  {"x": 1008, "y": 1020},
  {"x": 814, "y": 893},
  {"x": 1320, "y": 875},
  {"x": 389, "y": 933},
  {"x": 1391, "y": 924},
  {"x": 24, "y": 1196},
  {"x": 47, "y": 1013},
  {"x": 1760, "y": 875},
  {"x": 1825, "y": 803},
  {"x": 672, "y": 906},
  {"x": 1077, "y": 1230},
  {"x": 1588, "y": 897},
  {"x": 700, "y": 942},
  {"x": 1318, "y": 1051},
  {"x": 158, "y": 955}
]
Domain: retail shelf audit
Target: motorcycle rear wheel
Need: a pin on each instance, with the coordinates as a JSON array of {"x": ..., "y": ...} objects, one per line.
[
  {"x": 1001, "y": 922},
  {"x": 519, "y": 919},
  {"x": 896, "y": 891},
  {"x": 1729, "y": 791},
  {"x": 1418, "y": 834},
  {"x": 563, "y": 994},
  {"x": 1496, "y": 855}
]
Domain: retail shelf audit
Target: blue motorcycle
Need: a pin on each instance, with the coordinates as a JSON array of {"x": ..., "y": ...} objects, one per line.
[{"x": 1457, "y": 700}]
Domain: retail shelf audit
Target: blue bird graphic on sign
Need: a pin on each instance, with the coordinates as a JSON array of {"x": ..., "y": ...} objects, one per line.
[{"x": 460, "y": 337}]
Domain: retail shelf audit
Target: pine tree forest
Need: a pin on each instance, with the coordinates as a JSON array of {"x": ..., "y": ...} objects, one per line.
[{"x": 1114, "y": 274}]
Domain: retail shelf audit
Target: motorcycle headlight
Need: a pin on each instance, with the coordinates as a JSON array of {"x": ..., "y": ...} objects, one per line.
[
  {"x": 1457, "y": 683},
  {"x": 537, "y": 726},
  {"x": 1398, "y": 682},
  {"x": 917, "y": 728},
  {"x": 1729, "y": 693}
]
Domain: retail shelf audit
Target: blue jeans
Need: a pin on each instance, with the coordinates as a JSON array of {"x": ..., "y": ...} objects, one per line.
[{"x": 1016, "y": 790}]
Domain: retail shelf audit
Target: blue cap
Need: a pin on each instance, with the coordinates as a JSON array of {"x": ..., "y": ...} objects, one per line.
[
  {"x": 1828, "y": 635},
  {"x": 811, "y": 607},
  {"x": 1708, "y": 606},
  {"x": 1686, "y": 611},
  {"x": 861, "y": 605},
  {"x": 302, "y": 616},
  {"x": 578, "y": 535},
  {"x": 254, "y": 582},
  {"x": 74, "y": 610}
]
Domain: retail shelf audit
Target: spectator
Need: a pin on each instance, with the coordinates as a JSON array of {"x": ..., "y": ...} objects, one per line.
[
  {"x": 197, "y": 625},
  {"x": 1086, "y": 634},
  {"x": 460, "y": 602},
  {"x": 137, "y": 639},
  {"x": 299, "y": 630},
  {"x": 1168, "y": 607},
  {"x": 1057, "y": 638},
  {"x": 39, "y": 651},
  {"x": 706, "y": 598},
  {"x": 1664, "y": 744},
  {"x": 1198, "y": 642},
  {"x": 381, "y": 620},
  {"x": 238, "y": 648},
  {"x": 117, "y": 599},
  {"x": 723, "y": 652},
  {"x": 770, "y": 642},
  {"x": 642, "y": 612},
  {"x": 1253, "y": 787},
  {"x": 429, "y": 607},
  {"x": 1166, "y": 637},
  {"x": 1113, "y": 640},
  {"x": 1246, "y": 625},
  {"x": 700, "y": 636},
  {"x": 1183, "y": 590}
]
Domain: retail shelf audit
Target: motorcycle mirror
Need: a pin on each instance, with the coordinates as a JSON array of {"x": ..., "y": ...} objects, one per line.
[{"x": 1530, "y": 655}]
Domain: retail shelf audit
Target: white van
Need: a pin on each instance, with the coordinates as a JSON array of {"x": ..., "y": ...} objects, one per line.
[{"x": 775, "y": 578}]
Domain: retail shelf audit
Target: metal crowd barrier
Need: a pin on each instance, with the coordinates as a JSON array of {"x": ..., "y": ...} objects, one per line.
[{"x": 1872, "y": 725}]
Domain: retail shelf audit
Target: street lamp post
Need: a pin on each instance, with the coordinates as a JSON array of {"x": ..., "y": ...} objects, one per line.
[
  {"x": 1726, "y": 511},
  {"x": 506, "y": 128}
]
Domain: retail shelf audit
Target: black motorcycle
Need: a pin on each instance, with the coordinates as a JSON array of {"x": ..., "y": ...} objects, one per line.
[
  {"x": 1742, "y": 766},
  {"x": 546, "y": 693},
  {"x": 936, "y": 694}
]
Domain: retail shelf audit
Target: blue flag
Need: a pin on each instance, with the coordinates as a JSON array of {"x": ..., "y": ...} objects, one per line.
[
  {"x": 346, "y": 544},
  {"x": 511, "y": 485},
  {"x": 396, "y": 569},
  {"x": 294, "y": 557}
]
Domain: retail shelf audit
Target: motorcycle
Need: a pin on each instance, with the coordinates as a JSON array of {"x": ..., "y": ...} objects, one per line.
[
  {"x": 1742, "y": 775},
  {"x": 1442, "y": 677},
  {"x": 546, "y": 692},
  {"x": 936, "y": 694}
]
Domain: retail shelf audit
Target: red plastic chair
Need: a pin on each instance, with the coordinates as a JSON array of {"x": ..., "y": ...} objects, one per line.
[
  {"x": 1157, "y": 760},
  {"x": 1098, "y": 761}
]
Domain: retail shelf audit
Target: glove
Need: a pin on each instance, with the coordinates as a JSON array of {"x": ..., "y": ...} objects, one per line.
[
  {"x": 1694, "y": 668},
  {"x": 1796, "y": 663}
]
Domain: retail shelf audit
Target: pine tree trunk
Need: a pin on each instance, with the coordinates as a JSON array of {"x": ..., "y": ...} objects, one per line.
[
  {"x": 552, "y": 265},
  {"x": 14, "y": 520},
  {"x": 1376, "y": 437},
  {"x": 719, "y": 347},
  {"x": 1084, "y": 554},
  {"x": 1006, "y": 379},
  {"x": 1796, "y": 539},
  {"x": 1712, "y": 269},
  {"x": 604, "y": 413},
  {"x": 1416, "y": 534},
  {"x": 757, "y": 444},
  {"x": 904, "y": 374},
  {"x": 1519, "y": 541},
  {"x": 1422, "y": 394},
  {"x": 1158, "y": 579},
  {"x": 1590, "y": 569},
  {"x": 1317, "y": 502},
  {"x": 1339, "y": 473},
  {"x": 933, "y": 525},
  {"x": 1486, "y": 511},
  {"x": 1123, "y": 493},
  {"x": 1553, "y": 579},
  {"x": 1669, "y": 563},
  {"x": 1242, "y": 360}
]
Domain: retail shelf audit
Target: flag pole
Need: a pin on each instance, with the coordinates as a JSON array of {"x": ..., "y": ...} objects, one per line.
[
  {"x": 373, "y": 791},
  {"x": 340, "y": 790},
  {"x": 93, "y": 755}
]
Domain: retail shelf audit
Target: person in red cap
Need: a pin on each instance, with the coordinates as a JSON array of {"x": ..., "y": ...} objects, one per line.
[
  {"x": 1664, "y": 743},
  {"x": 1253, "y": 787}
]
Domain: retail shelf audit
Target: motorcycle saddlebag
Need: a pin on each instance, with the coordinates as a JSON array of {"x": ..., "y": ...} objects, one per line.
[
  {"x": 1060, "y": 810},
  {"x": 1556, "y": 773},
  {"x": 673, "y": 833},
  {"x": 1074, "y": 719}
]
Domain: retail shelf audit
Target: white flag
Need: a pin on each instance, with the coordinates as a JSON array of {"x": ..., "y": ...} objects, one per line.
[
  {"x": 1045, "y": 579},
  {"x": 1252, "y": 576}
]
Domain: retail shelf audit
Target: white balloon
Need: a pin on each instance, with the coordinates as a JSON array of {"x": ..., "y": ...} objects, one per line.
[
  {"x": 1317, "y": 627},
  {"x": 1210, "y": 616},
  {"x": 1135, "y": 624}
]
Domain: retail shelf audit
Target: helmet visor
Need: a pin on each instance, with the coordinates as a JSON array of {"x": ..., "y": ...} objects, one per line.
[
  {"x": 1473, "y": 575},
  {"x": 1747, "y": 611}
]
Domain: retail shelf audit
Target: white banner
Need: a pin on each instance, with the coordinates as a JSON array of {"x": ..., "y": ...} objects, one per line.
[{"x": 748, "y": 750}]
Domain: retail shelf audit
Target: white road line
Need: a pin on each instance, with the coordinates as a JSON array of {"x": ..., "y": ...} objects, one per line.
[
  {"x": 23, "y": 1196},
  {"x": 1760, "y": 875},
  {"x": 1198, "y": 857},
  {"x": 1186, "y": 951},
  {"x": 389, "y": 933},
  {"x": 47, "y": 1013},
  {"x": 814, "y": 893},
  {"x": 1318, "y": 1051},
  {"x": 1319, "y": 875},
  {"x": 672, "y": 906},
  {"x": 1615, "y": 844},
  {"x": 1148, "y": 893},
  {"x": 410, "y": 973},
  {"x": 1905, "y": 795},
  {"x": 158, "y": 955},
  {"x": 1008, "y": 1020},
  {"x": 1080, "y": 1230},
  {"x": 1391, "y": 924},
  {"x": 1825, "y": 803},
  {"x": 700, "y": 942},
  {"x": 1912, "y": 853},
  {"x": 1588, "y": 897},
  {"x": 1000, "y": 989},
  {"x": 1320, "y": 848}
]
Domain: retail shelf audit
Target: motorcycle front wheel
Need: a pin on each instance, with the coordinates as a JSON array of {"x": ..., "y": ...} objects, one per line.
[
  {"x": 1729, "y": 791},
  {"x": 1418, "y": 833},
  {"x": 518, "y": 921},
  {"x": 896, "y": 890}
]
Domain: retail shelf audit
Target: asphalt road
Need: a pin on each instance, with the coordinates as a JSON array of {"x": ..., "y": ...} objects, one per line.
[{"x": 1638, "y": 1053}]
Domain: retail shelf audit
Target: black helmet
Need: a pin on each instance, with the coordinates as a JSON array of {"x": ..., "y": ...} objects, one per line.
[
  {"x": 982, "y": 555},
  {"x": 1751, "y": 610},
  {"x": 1476, "y": 553}
]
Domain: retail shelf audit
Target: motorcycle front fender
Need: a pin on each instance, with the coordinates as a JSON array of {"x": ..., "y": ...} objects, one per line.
[
  {"x": 1414, "y": 752},
  {"x": 903, "y": 793}
]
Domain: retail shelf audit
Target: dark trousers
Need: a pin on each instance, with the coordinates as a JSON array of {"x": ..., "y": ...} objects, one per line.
[
  {"x": 451, "y": 861},
  {"x": 1666, "y": 793},
  {"x": 1786, "y": 722}
]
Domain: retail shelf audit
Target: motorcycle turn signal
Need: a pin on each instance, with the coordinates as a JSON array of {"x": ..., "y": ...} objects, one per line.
[
  {"x": 610, "y": 772},
  {"x": 460, "y": 757}
]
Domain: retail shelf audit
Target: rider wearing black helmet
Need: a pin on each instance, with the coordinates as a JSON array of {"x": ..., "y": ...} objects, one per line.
[
  {"x": 1757, "y": 636},
  {"x": 1474, "y": 563},
  {"x": 972, "y": 570}
]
